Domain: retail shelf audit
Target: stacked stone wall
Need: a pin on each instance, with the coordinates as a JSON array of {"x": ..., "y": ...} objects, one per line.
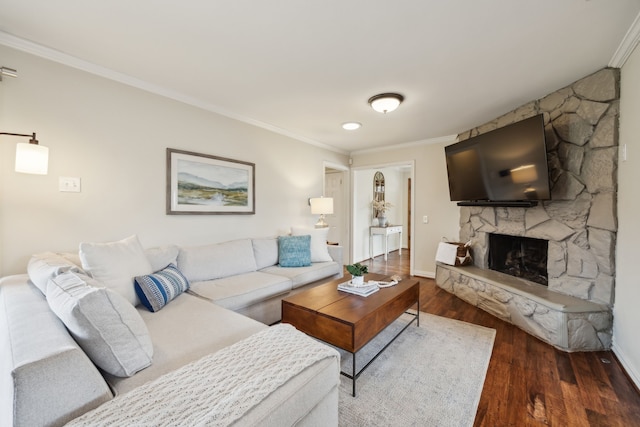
[{"x": 580, "y": 220}]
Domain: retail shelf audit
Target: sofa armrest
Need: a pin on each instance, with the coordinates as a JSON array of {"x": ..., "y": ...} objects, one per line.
[
  {"x": 46, "y": 377},
  {"x": 336, "y": 253}
]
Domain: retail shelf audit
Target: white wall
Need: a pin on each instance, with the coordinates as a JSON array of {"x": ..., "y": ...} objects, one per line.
[
  {"x": 114, "y": 137},
  {"x": 431, "y": 198},
  {"x": 626, "y": 313}
]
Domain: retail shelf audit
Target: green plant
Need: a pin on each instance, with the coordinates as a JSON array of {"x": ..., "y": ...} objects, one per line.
[{"x": 357, "y": 269}]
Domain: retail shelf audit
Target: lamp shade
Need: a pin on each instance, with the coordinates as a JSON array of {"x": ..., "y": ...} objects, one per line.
[
  {"x": 321, "y": 205},
  {"x": 32, "y": 158}
]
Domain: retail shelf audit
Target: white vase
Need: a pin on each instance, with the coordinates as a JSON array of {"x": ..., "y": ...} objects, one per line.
[
  {"x": 357, "y": 280},
  {"x": 382, "y": 220}
]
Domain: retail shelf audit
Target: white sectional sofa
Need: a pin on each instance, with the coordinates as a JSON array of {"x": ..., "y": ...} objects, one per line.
[{"x": 77, "y": 347}]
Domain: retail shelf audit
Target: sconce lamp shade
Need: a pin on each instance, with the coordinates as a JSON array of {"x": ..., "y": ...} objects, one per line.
[
  {"x": 321, "y": 205},
  {"x": 32, "y": 158}
]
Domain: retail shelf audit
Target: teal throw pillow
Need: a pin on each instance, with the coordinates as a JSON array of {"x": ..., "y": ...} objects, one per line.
[
  {"x": 157, "y": 289},
  {"x": 294, "y": 251}
]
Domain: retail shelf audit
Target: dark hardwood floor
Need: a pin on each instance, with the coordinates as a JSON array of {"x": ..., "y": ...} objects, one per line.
[{"x": 530, "y": 383}]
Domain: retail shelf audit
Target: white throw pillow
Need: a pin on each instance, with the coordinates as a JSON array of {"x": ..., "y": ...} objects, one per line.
[
  {"x": 47, "y": 265},
  {"x": 115, "y": 264},
  {"x": 319, "y": 251},
  {"x": 102, "y": 322}
]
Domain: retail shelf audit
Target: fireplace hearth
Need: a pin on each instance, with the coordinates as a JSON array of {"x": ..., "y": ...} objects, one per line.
[{"x": 519, "y": 256}]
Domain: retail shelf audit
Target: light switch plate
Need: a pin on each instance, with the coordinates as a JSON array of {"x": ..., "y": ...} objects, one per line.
[{"x": 69, "y": 184}]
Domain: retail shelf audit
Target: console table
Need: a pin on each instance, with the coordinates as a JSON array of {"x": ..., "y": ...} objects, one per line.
[{"x": 385, "y": 232}]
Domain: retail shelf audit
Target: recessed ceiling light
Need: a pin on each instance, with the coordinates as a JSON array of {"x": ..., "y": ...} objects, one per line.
[
  {"x": 385, "y": 102},
  {"x": 351, "y": 125}
]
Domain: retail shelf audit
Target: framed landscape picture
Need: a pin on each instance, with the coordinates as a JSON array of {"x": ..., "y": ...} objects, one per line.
[{"x": 205, "y": 184}]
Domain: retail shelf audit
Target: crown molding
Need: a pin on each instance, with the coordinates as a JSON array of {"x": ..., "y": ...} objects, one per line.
[
  {"x": 627, "y": 45},
  {"x": 27, "y": 46},
  {"x": 438, "y": 140}
]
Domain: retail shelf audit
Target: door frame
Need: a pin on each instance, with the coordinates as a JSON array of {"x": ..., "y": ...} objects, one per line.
[
  {"x": 354, "y": 171},
  {"x": 346, "y": 203}
]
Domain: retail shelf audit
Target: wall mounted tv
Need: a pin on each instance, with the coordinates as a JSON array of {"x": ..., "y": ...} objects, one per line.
[{"x": 503, "y": 167}]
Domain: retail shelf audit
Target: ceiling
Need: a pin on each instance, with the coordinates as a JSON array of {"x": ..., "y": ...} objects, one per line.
[{"x": 302, "y": 68}]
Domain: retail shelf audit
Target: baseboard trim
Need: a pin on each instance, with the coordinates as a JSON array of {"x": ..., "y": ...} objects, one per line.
[
  {"x": 426, "y": 274},
  {"x": 629, "y": 370}
]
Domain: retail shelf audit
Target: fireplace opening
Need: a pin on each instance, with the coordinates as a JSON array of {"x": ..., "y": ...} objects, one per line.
[{"x": 519, "y": 256}]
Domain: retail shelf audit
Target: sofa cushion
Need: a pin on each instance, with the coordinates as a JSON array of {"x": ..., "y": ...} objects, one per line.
[
  {"x": 304, "y": 275},
  {"x": 209, "y": 262},
  {"x": 265, "y": 251},
  {"x": 47, "y": 265},
  {"x": 294, "y": 251},
  {"x": 45, "y": 377},
  {"x": 186, "y": 330},
  {"x": 161, "y": 256},
  {"x": 115, "y": 264},
  {"x": 319, "y": 251},
  {"x": 104, "y": 324},
  {"x": 157, "y": 289},
  {"x": 243, "y": 290}
]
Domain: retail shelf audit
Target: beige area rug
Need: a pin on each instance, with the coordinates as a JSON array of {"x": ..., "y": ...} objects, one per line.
[{"x": 430, "y": 375}]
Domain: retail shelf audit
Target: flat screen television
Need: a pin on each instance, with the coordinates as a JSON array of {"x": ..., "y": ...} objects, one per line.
[{"x": 503, "y": 167}]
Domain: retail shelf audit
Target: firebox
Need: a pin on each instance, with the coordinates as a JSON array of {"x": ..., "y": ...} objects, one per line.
[{"x": 519, "y": 256}]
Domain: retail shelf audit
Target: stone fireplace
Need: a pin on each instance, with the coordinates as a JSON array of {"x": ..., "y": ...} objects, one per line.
[
  {"x": 578, "y": 224},
  {"x": 519, "y": 256}
]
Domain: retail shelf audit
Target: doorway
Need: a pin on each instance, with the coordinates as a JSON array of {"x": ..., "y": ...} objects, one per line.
[
  {"x": 399, "y": 192},
  {"x": 336, "y": 178}
]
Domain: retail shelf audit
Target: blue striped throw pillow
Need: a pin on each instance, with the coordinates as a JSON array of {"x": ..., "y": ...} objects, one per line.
[{"x": 157, "y": 289}]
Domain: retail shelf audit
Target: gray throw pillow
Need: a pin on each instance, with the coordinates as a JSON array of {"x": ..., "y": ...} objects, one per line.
[{"x": 103, "y": 323}]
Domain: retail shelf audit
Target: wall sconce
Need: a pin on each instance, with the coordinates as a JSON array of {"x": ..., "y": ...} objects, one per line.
[
  {"x": 30, "y": 157},
  {"x": 385, "y": 102},
  {"x": 321, "y": 206},
  {"x": 9, "y": 72}
]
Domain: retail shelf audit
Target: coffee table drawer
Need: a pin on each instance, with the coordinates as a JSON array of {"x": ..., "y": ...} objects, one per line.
[{"x": 325, "y": 328}]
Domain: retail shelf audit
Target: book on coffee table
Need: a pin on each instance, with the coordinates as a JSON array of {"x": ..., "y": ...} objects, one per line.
[{"x": 364, "y": 291}]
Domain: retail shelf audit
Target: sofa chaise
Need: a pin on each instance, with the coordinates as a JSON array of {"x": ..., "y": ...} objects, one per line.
[{"x": 120, "y": 335}]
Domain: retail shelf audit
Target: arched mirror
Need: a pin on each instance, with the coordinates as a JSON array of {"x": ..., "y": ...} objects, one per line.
[{"x": 378, "y": 191}]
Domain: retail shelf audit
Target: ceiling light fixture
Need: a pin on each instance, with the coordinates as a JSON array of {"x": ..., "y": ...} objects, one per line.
[
  {"x": 351, "y": 125},
  {"x": 385, "y": 102}
]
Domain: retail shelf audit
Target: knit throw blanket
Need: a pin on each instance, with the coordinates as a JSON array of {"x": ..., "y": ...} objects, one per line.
[{"x": 217, "y": 389}]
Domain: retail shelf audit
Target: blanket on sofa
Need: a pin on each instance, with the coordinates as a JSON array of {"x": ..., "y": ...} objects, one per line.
[{"x": 217, "y": 389}]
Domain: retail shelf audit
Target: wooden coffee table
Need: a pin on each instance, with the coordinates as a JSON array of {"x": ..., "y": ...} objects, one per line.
[{"x": 350, "y": 321}]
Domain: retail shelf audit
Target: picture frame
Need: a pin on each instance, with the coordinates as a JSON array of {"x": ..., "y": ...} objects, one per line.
[{"x": 203, "y": 184}]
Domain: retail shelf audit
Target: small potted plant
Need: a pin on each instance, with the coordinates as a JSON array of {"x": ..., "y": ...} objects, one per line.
[{"x": 357, "y": 271}]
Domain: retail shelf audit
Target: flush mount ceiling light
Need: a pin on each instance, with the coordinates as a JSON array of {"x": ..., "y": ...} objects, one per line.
[
  {"x": 385, "y": 102},
  {"x": 351, "y": 125}
]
